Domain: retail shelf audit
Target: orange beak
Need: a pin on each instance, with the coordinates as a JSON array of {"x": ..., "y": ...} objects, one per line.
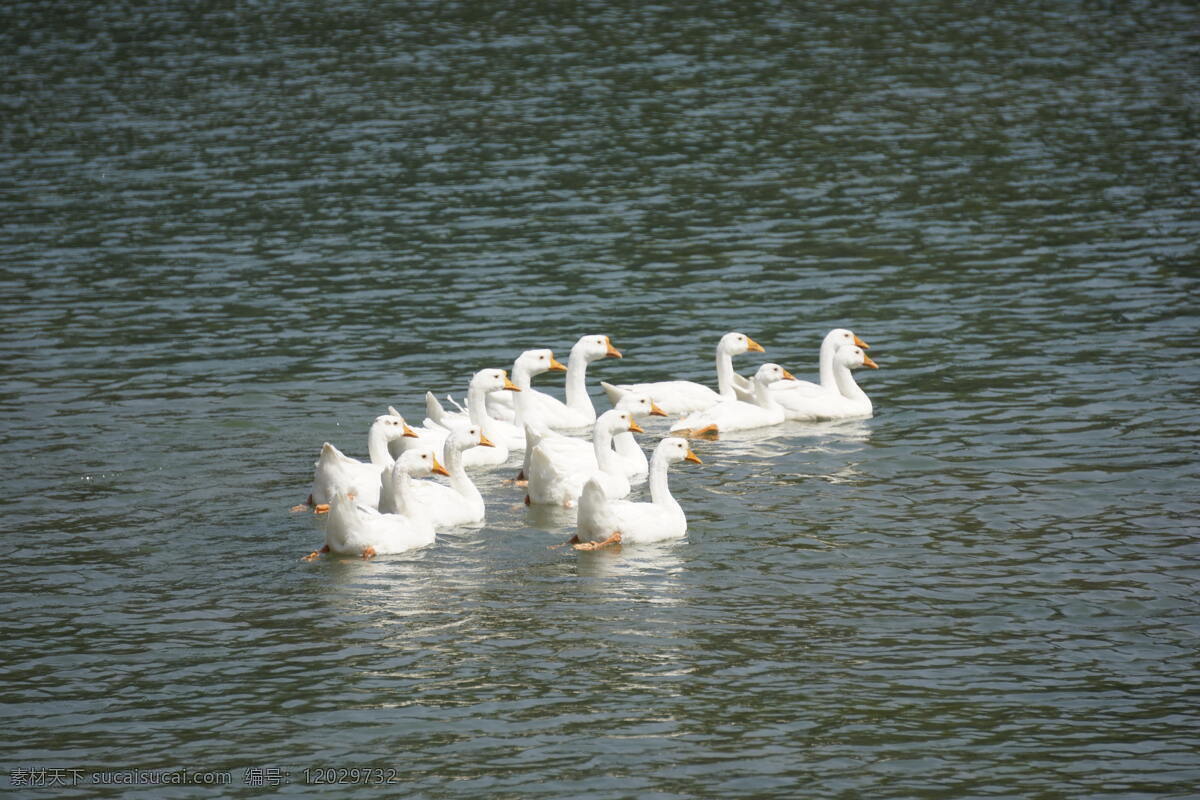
[
  {"x": 633, "y": 426},
  {"x": 692, "y": 457},
  {"x": 753, "y": 346},
  {"x": 787, "y": 376},
  {"x": 512, "y": 387},
  {"x": 612, "y": 351},
  {"x": 655, "y": 411},
  {"x": 556, "y": 364},
  {"x": 861, "y": 343},
  {"x": 321, "y": 508},
  {"x": 410, "y": 433},
  {"x": 438, "y": 469},
  {"x": 486, "y": 442},
  {"x": 867, "y": 362}
]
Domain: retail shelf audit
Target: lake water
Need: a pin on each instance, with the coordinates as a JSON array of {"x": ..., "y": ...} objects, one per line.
[{"x": 231, "y": 232}]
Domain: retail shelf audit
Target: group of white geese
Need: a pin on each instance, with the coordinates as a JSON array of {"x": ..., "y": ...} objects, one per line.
[{"x": 389, "y": 504}]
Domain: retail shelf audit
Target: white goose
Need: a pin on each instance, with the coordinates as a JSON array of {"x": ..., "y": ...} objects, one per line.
[
  {"x": 460, "y": 503},
  {"x": 684, "y": 397},
  {"x": 527, "y": 365},
  {"x": 829, "y": 346},
  {"x": 845, "y": 400},
  {"x": 631, "y": 455},
  {"x": 437, "y": 426},
  {"x": 737, "y": 415},
  {"x": 557, "y": 472},
  {"x": 356, "y": 529},
  {"x": 335, "y": 471},
  {"x": 603, "y": 521},
  {"x": 577, "y": 412}
]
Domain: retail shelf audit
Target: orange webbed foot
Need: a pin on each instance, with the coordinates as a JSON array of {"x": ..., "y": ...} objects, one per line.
[
  {"x": 614, "y": 539},
  {"x": 315, "y": 554}
]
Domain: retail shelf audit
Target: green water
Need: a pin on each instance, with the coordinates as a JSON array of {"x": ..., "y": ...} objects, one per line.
[{"x": 231, "y": 232}]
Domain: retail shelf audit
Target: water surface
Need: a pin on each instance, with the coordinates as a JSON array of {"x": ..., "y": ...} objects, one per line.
[{"x": 231, "y": 233}]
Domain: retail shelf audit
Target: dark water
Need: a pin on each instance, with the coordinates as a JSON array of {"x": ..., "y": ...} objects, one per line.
[{"x": 233, "y": 231}]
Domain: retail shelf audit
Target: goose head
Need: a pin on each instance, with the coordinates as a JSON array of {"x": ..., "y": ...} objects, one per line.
[
  {"x": 466, "y": 438},
  {"x": 420, "y": 462},
  {"x": 853, "y": 357},
  {"x": 594, "y": 346},
  {"x": 735, "y": 344},
  {"x": 535, "y": 362},
  {"x": 393, "y": 426},
  {"x": 640, "y": 405},
  {"x": 769, "y": 373},
  {"x": 839, "y": 337},
  {"x": 616, "y": 421},
  {"x": 492, "y": 380},
  {"x": 676, "y": 449}
]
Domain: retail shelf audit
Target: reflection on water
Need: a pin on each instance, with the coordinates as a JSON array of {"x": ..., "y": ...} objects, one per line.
[
  {"x": 625, "y": 561},
  {"x": 233, "y": 232}
]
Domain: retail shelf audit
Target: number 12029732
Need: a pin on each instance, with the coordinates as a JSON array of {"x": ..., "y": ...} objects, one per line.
[{"x": 351, "y": 775}]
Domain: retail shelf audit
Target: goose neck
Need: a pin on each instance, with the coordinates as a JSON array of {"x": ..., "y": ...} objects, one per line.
[
  {"x": 660, "y": 491},
  {"x": 725, "y": 373},
  {"x": 626, "y": 446},
  {"x": 477, "y": 405},
  {"x": 576, "y": 385},
  {"x": 606, "y": 457},
  {"x": 763, "y": 396},
  {"x": 399, "y": 502},
  {"x": 847, "y": 386},
  {"x": 460, "y": 481},
  {"x": 828, "y": 375},
  {"x": 522, "y": 379},
  {"x": 377, "y": 446}
]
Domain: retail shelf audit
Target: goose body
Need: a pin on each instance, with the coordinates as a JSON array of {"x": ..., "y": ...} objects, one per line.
[
  {"x": 737, "y": 415},
  {"x": 353, "y": 528},
  {"x": 557, "y": 469},
  {"x": 603, "y": 521},
  {"x": 335, "y": 471},
  {"x": 685, "y": 397},
  {"x": 844, "y": 399},
  {"x": 827, "y": 382}
]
